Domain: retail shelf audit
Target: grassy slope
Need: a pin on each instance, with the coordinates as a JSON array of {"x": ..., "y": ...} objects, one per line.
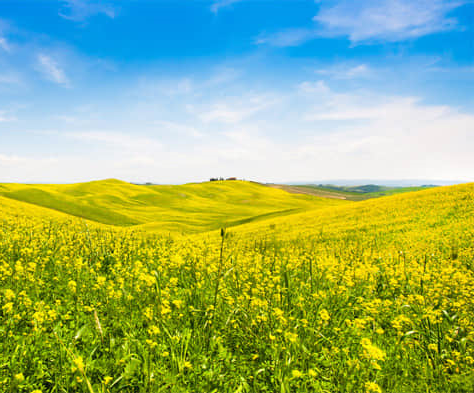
[
  {"x": 356, "y": 193},
  {"x": 312, "y": 190},
  {"x": 26, "y": 213},
  {"x": 184, "y": 208},
  {"x": 418, "y": 216}
]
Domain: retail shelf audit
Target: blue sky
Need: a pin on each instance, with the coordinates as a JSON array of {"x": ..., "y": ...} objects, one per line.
[{"x": 173, "y": 91}]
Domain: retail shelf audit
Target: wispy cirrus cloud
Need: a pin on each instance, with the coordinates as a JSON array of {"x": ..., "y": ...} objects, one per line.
[
  {"x": 233, "y": 111},
  {"x": 218, "y": 4},
  {"x": 344, "y": 71},
  {"x": 286, "y": 38},
  {"x": 386, "y": 20},
  {"x": 52, "y": 70},
  {"x": 389, "y": 109},
  {"x": 80, "y": 10},
  {"x": 310, "y": 87},
  {"x": 118, "y": 139},
  {"x": 371, "y": 21},
  {"x": 4, "y": 44},
  {"x": 179, "y": 129},
  {"x": 4, "y": 117}
]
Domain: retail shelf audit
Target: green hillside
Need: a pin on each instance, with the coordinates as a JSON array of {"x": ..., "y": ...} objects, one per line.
[
  {"x": 188, "y": 208},
  {"x": 354, "y": 193}
]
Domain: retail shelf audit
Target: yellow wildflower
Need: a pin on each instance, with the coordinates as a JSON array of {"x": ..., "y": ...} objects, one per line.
[
  {"x": 296, "y": 373},
  {"x": 372, "y": 387},
  {"x": 19, "y": 377}
]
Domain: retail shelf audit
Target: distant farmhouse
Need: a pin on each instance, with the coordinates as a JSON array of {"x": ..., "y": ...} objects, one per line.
[{"x": 221, "y": 178}]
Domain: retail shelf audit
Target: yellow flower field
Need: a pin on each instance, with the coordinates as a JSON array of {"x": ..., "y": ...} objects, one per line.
[{"x": 373, "y": 296}]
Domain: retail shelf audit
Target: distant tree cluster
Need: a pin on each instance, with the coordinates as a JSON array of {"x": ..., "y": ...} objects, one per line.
[{"x": 221, "y": 178}]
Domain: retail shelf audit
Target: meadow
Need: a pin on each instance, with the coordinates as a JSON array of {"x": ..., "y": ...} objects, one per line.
[
  {"x": 297, "y": 294},
  {"x": 188, "y": 208},
  {"x": 355, "y": 193}
]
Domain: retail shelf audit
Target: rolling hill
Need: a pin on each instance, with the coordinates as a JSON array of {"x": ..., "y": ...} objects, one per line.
[
  {"x": 440, "y": 213},
  {"x": 188, "y": 208},
  {"x": 351, "y": 193}
]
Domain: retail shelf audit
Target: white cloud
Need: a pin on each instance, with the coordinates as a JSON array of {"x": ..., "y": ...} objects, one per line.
[
  {"x": 179, "y": 129},
  {"x": 233, "y": 111},
  {"x": 68, "y": 119},
  {"x": 9, "y": 159},
  {"x": 385, "y": 20},
  {"x": 391, "y": 111},
  {"x": 80, "y": 10},
  {"x": 6, "y": 159},
  {"x": 218, "y": 4},
  {"x": 181, "y": 87},
  {"x": 222, "y": 76},
  {"x": 369, "y": 21},
  {"x": 353, "y": 107},
  {"x": 187, "y": 86},
  {"x": 27, "y": 169},
  {"x": 310, "y": 132},
  {"x": 4, "y": 117},
  {"x": 285, "y": 38},
  {"x": 225, "y": 113},
  {"x": 388, "y": 137},
  {"x": 4, "y": 44},
  {"x": 52, "y": 71},
  {"x": 118, "y": 139},
  {"x": 346, "y": 72},
  {"x": 314, "y": 87}
]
